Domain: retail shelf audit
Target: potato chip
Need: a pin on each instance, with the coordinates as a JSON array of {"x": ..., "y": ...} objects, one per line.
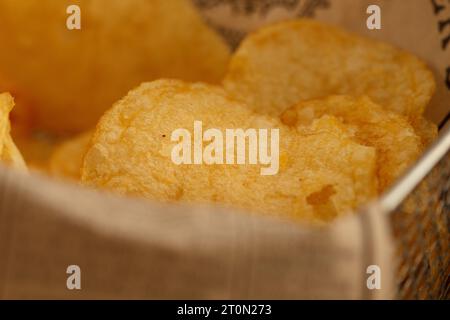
[
  {"x": 425, "y": 129},
  {"x": 67, "y": 158},
  {"x": 279, "y": 65},
  {"x": 323, "y": 172},
  {"x": 36, "y": 148},
  {"x": 68, "y": 78},
  {"x": 8, "y": 150},
  {"x": 394, "y": 138}
]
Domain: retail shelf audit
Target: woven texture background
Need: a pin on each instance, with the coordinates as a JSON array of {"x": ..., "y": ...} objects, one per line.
[{"x": 421, "y": 229}]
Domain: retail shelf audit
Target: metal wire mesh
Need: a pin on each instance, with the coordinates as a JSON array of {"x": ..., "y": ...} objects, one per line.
[{"x": 421, "y": 229}]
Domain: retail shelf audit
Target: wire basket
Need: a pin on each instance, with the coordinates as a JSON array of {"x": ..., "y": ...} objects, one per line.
[{"x": 419, "y": 207}]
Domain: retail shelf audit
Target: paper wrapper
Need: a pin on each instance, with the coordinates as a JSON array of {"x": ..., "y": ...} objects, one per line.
[
  {"x": 135, "y": 249},
  {"x": 130, "y": 248}
]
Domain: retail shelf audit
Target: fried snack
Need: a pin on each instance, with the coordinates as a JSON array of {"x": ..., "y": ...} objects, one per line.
[
  {"x": 396, "y": 143},
  {"x": 280, "y": 65},
  {"x": 66, "y": 160},
  {"x": 56, "y": 71},
  {"x": 323, "y": 172},
  {"x": 36, "y": 148},
  {"x": 9, "y": 153},
  {"x": 425, "y": 129}
]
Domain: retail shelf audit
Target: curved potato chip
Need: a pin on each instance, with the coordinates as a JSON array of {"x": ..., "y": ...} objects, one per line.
[
  {"x": 8, "y": 150},
  {"x": 35, "y": 147},
  {"x": 425, "y": 129},
  {"x": 120, "y": 44},
  {"x": 280, "y": 65},
  {"x": 322, "y": 173},
  {"x": 394, "y": 138},
  {"x": 67, "y": 158}
]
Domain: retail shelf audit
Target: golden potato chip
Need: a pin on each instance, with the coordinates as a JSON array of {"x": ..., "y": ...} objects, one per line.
[
  {"x": 67, "y": 158},
  {"x": 11, "y": 155},
  {"x": 8, "y": 150},
  {"x": 394, "y": 138},
  {"x": 425, "y": 129},
  {"x": 36, "y": 148},
  {"x": 279, "y": 65},
  {"x": 68, "y": 78},
  {"x": 322, "y": 172}
]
